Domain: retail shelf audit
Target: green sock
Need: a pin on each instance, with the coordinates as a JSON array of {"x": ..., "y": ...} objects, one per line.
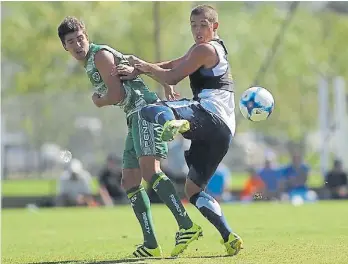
[
  {"x": 167, "y": 193},
  {"x": 141, "y": 206}
]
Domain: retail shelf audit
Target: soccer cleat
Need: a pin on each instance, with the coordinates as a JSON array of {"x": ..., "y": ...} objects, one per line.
[
  {"x": 233, "y": 245},
  {"x": 144, "y": 252},
  {"x": 184, "y": 237},
  {"x": 173, "y": 127}
]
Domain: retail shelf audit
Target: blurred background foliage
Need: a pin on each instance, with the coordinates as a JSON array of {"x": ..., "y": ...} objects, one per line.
[{"x": 314, "y": 44}]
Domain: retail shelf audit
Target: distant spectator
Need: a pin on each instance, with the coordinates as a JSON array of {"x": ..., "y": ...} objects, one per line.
[
  {"x": 270, "y": 177},
  {"x": 253, "y": 187},
  {"x": 336, "y": 181},
  {"x": 74, "y": 186},
  {"x": 219, "y": 184},
  {"x": 109, "y": 178},
  {"x": 293, "y": 181}
]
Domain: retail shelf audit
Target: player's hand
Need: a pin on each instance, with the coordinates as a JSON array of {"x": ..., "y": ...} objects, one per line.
[
  {"x": 122, "y": 69},
  {"x": 133, "y": 60},
  {"x": 139, "y": 64},
  {"x": 125, "y": 72},
  {"x": 170, "y": 93},
  {"x": 143, "y": 66}
]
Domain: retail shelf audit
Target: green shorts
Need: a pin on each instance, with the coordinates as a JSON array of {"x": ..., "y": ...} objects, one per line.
[{"x": 143, "y": 139}]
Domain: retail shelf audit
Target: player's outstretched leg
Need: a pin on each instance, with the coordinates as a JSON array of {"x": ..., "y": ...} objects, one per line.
[
  {"x": 141, "y": 205},
  {"x": 211, "y": 210},
  {"x": 188, "y": 231},
  {"x": 163, "y": 115}
]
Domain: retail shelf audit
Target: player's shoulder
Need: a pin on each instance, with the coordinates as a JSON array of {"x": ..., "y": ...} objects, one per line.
[
  {"x": 106, "y": 52},
  {"x": 103, "y": 52},
  {"x": 203, "y": 49},
  {"x": 103, "y": 55}
]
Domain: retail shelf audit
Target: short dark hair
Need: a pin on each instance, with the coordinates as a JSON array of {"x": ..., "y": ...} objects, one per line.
[
  {"x": 209, "y": 11},
  {"x": 70, "y": 24}
]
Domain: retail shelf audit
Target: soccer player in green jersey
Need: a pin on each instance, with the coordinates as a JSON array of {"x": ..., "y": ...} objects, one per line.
[{"x": 143, "y": 147}]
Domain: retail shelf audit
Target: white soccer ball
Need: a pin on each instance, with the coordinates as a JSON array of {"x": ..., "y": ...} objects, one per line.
[{"x": 256, "y": 104}]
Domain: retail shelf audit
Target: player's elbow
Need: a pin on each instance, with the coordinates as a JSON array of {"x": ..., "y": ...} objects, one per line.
[
  {"x": 115, "y": 97},
  {"x": 173, "y": 77},
  {"x": 114, "y": 100}
]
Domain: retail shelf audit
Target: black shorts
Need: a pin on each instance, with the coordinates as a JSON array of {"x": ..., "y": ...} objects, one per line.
[{"x": 210, "y": 139}]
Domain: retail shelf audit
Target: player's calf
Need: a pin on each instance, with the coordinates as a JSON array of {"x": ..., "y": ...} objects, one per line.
[
  {"x": 188, "y": 231},
  {"x": 211, "y": 210},
  {"x": 140, "y": 203},
  {"x": 165, "y": 189},
  {"x": 157, "y": 114}
]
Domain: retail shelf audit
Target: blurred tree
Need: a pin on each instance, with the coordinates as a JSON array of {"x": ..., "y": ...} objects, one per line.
[{"x": 314, "y": 43}]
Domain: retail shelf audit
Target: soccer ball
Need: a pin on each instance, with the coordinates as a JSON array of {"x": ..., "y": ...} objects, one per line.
[{"x": 256, "y": 104}]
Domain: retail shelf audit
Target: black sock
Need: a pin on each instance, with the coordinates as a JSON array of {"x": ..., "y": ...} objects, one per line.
[{"x": 211, "y": 210}]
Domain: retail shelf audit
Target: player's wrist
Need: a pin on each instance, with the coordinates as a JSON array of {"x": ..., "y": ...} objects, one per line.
[{"x": 137, "y": 72}]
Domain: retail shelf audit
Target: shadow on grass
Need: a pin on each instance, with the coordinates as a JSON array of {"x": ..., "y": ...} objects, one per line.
[{"x": 125, "y": 260}]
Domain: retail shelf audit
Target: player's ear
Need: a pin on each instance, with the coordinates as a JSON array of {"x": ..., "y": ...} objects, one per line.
[{"x": 215, "y": 26}]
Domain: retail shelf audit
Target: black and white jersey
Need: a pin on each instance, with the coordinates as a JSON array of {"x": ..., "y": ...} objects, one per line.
[{"x": 213, "y": 87}]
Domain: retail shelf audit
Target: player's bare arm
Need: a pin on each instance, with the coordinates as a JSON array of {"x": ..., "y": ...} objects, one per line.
[
  {"x": 169, "y": 91},
  {"x": 174, "y": 63},
  {"x": 127, "y": 72},
  {"x": 171, "y": 64},
  {"x": 130, "y": 72},
  {"x": 105, "y": 61},
  {"x": 201, "y": 55}
]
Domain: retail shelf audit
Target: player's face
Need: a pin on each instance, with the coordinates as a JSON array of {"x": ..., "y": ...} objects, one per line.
[
  {"x": 202, "y": 30},
  {"x": 77, "y": 44}
]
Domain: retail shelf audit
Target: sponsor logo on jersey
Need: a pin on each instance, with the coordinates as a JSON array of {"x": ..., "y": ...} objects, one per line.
[
  {"x": 145, "y": 133},
  {"x": 96, "y": 77}
]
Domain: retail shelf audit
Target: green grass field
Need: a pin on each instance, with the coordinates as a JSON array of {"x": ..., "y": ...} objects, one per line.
[
  {"x": 273, "y": 233},
  {"x": 33, "y": 187}
]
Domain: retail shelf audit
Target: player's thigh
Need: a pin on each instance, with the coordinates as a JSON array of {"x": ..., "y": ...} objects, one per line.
[
  {"x": 203, "y": 158},
  {"x": 131, "y": 176},
  {"x": 147, "y": 139},
  {"x": 202, "y": 123},
  {"x": 130, "y": 160}
]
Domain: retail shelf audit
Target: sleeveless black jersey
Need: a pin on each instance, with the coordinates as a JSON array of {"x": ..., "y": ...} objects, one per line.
[{"x": 217, "y": 77}]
